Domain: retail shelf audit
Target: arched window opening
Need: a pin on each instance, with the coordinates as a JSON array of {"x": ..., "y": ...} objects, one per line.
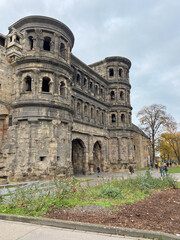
[
  {"x": 96, "y": 89},
  {"x": 62, "y": 89},
  {"x": 92, "y": 113},
  {"x": 84, "y": 82},
  {"x": 90, "y": 85},
  {"x": 102, "y": 118},
  {"x": 111, "y": 72},
  {"x": 46, "y": 84},
  {"x": 122, "y": 118},
  {"x": 47, "y": 43},
  {"x": 28, "y": 82},
  {"x": 120, "y": 72},
  {"x": 31, "y": 42},
  {"x": 113, "y": 118},
  {"x": 17, "y": 39},
  {"x": 85, "y": 111},
  {"x": 78, "y": 79},
  {"x": 63, "y": 50},
  {"x": 112, "y": 95},
  {"x": 121, "y": 95},
  {"x": 78, "y": 108},
  {"x": 101, "y": 91},
  {"x": 2, "y": 41}
]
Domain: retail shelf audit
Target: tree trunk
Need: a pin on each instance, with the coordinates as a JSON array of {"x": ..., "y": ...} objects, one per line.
[
  {"x": 153, "y": 147},
  {"x": 153, "y": 153}
]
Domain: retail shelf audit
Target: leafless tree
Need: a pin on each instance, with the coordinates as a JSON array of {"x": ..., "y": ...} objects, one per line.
[{"x": 152, "y": 119}]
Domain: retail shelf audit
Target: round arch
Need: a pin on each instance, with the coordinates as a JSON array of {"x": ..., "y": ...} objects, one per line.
[
  {"x": 78, "y": 156},
  {"x": 97, "y": 155}
]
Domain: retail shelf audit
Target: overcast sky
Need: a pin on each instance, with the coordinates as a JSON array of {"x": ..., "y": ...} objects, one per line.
[{"x": 145, "y": 31}]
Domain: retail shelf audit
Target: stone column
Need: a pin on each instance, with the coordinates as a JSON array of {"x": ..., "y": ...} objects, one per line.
[
  {"x": 75, "y": 107},
  {"x": 118, "y": 118},
  {"x": 38, "y": 42},
  {"x": 18, "y": 88},
  {"x": 68, "y": 52},
  {"x": 86, "y": 166},
  {"x": 82, "y": 110}
]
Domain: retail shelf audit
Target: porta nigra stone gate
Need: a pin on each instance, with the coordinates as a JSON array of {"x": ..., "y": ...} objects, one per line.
[{"x": 59, "y": 116}]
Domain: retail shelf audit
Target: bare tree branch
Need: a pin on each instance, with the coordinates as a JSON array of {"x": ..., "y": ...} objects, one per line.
[{"x": 152, "y": 119}]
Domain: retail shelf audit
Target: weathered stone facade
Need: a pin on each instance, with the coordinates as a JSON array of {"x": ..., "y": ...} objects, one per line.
[{"x": 58, "y": 115}]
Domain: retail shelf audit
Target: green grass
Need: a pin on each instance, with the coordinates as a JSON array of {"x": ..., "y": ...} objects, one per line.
[
  {"x": 68, "y": 193},
  {"x": 142, "y": 169},
  {"x": 174, "y": 169}
]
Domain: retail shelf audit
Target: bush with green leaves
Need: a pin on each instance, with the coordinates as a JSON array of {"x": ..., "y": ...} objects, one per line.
[
  {"x": 110, "y": 191},
  {"x": 147, "y": 182}
]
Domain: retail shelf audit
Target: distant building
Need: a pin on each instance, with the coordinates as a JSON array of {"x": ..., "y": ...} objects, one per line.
[{"x": 57, "y": 114}]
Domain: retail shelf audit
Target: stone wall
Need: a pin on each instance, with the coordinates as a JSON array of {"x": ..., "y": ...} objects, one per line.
[
  {"x": 59, "y": 116},
  {"x": 141, "y": 149},
  {"x": 38, "y": 150}
]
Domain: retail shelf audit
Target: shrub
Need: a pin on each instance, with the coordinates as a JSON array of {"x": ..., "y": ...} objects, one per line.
[{"x": 110, "y": 191}]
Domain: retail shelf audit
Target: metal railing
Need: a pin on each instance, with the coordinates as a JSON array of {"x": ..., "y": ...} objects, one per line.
[{"x": 7, "y": 190}]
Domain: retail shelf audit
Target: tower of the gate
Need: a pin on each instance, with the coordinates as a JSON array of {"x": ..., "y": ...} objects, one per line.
[
  {"x": 116, "y": 71},
  {"x": 39, "y": 49}
]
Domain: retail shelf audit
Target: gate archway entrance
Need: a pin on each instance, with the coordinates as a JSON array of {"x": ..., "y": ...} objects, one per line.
[
  {"x": 97, "y": 156},
  {"x": 78, "y": 156}
]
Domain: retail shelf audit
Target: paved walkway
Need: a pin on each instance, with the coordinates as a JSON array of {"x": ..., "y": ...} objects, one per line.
[
  {"x": 154, "y": 172},
  {"x": 25, "y": 231}
]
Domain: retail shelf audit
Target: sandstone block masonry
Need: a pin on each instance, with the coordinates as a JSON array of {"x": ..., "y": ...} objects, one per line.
[{"x": 59, "y": 116}]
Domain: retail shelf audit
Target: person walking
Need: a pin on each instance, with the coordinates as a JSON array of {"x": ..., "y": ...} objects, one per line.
[
  {"x": 161, "y": 170},
  {"x": 98, "y": 171},
  {"x": 156, "y": 165},
  {"x": 131, "y": 170},
  {"x": 165, "y": 169}
]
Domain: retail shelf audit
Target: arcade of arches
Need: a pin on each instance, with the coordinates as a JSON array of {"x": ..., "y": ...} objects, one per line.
[{"x": 80, "y": 162}]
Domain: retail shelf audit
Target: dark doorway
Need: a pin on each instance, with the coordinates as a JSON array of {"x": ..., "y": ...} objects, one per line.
[
  {"x": 97, "y": 156},
  {"x": 78, "y": 156}
]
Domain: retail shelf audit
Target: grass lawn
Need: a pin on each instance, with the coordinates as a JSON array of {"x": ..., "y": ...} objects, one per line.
[
  {"x": 174, "y": 169},
  {"x": 142, "y": 169}
]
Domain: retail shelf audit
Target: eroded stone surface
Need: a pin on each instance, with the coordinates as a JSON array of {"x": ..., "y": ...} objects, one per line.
[{"x": 58, "y": 115}]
